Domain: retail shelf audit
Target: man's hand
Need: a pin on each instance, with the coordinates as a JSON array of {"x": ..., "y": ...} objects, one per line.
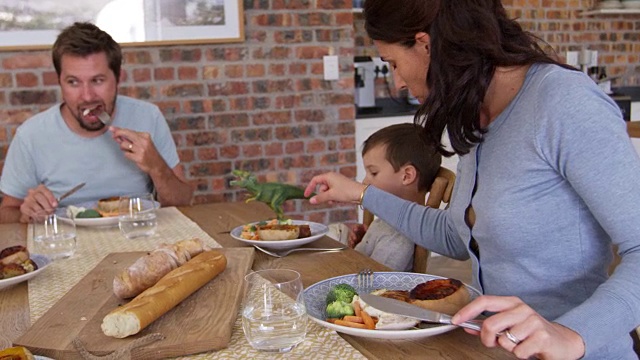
[
  {"x": 170, "y": 184},
  {"x": 38, "y": 200},
  {"x": 139, "y": 148}
]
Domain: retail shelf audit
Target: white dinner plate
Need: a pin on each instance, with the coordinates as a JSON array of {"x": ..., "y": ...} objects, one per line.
[
  {"x": 317, "y": 231},
  {"x": 315, "y": 301},
  {"x": 101, "y": 221},
  {"x": 40, "y": 260}
]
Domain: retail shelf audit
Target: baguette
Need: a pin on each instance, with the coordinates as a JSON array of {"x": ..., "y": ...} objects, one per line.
[
  {"x": 173, "y": 288},
  {"x": 147, "y": 270}
]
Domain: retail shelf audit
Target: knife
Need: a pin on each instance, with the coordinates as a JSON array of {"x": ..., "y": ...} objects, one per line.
[
  {"x": 398, "y": 307},
  {"x": 68, "y": 193}
]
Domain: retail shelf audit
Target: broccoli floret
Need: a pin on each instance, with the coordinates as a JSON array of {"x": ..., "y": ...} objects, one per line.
[
  {"x": 341, "y": 292},
  {"x": 89, "y": 213},
  {"x": 339, "y": 309}
]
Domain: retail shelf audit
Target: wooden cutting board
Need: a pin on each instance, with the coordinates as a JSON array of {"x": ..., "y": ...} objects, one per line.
[{"x": 202, "y": 322}]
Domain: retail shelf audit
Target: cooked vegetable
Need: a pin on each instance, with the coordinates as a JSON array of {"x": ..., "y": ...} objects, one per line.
[
  {"x": 355, "y": 319},
  {"x": 338, "y": 309},
  {"x": 356, "y": 308},
  {"x": 350, "y": 324},
  {"x": 89, "y": 213},
  {"x": 341, "y": 292},
  {"x": 368, "y": 321}
]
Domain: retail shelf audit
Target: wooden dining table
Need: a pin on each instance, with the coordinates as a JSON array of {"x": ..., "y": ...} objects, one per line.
[{"x": 217, "y": 219}]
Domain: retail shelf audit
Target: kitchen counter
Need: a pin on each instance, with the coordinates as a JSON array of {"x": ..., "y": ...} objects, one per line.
[
  {"x": 633, "y": 92},
  {"x": 386, "y": 107}
]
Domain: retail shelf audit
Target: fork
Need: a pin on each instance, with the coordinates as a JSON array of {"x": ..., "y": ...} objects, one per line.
[
  {"x": 281, "y": 254},
  {"x": 104, "y": 118},
  {"x": 365, "y": 280}
]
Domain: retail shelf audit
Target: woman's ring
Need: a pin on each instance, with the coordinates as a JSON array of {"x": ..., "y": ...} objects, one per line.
[
  {"x": 130, "y": 146},
  {"x": 514, "y": 339}
]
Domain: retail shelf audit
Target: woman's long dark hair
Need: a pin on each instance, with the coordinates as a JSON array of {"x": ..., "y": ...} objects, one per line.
[{"x": 469, "y": 39}]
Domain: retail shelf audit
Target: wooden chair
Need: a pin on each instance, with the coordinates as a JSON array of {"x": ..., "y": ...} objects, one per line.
[
  {"x": 633, "y": 128},
  {"x": 440, "y": 192}
]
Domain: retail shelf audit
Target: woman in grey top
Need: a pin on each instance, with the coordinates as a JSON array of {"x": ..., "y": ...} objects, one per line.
[{"x": 547, "y": 180}]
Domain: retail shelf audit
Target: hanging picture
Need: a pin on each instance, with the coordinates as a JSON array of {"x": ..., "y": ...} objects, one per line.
[{"x": 34, "y": 24}]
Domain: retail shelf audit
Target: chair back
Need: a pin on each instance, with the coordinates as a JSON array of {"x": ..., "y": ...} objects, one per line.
[
  {"x": 633, "y": 128},
  {"x": 440, "y": 192}
]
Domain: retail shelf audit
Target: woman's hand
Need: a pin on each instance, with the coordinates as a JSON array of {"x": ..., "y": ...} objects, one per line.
[
  {"x": 532, "y": 335},
  {"x": 332, "y": 187}
]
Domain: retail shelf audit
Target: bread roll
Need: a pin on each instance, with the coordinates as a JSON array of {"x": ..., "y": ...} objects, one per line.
[
  {"x": 154, "y": 302},
  {"x": 277, "y": 232},
  {"x": 443, "y": 295},
  {"x": 108, "y": 206},
  {"x": 14, "y": 255},
  {"x": 147, "y": 270}
]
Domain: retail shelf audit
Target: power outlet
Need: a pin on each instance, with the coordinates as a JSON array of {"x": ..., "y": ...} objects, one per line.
[{"x": 331, "y": 67}]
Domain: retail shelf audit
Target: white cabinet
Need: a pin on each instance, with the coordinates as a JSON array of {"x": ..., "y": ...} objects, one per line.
[
  {"x": 635, "y": 111},
  {"x": 366, "y": 127}
]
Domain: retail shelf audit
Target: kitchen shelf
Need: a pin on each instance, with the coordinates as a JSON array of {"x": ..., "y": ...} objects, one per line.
[{"x": 610, "y": 12}]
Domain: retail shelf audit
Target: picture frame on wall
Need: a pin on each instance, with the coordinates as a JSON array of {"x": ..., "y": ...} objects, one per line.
[{"x": 35, "y": 24}]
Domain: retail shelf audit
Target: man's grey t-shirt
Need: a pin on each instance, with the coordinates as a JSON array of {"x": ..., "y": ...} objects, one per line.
[{"x": 45, "y": 151}]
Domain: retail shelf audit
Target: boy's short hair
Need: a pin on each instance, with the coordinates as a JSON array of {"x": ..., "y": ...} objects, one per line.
[
  {"x": 408, "y": 144},
  {"x": 84, "y": 39}
]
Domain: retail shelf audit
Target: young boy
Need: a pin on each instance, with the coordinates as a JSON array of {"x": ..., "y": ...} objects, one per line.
[{"x": 400, "y": 160}]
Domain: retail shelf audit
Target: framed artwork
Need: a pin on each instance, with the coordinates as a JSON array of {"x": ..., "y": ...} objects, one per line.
[{"x": 35, "y": 24}]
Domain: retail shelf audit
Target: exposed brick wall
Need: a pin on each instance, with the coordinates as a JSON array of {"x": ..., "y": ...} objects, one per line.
[
  {"x": 558, "y": 22},
  {"x": 260, "y": 105}
]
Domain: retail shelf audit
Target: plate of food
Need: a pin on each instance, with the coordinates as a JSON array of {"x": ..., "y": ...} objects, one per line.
[
  {"x": 279, "y": 234},
  {"x": 103, "y": 212},
  {"x": 17, "y": 265},
  {"x": 326, "y": 302}
]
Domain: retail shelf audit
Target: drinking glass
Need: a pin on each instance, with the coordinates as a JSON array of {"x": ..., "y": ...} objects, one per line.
[
  {"x": 137, "y": 216},
  {"x": 53, "y": 236},
  {"x": 274, "y": 316}
]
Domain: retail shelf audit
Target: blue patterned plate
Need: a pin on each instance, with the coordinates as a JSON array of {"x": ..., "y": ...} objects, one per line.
[{"x": 314, "y": 297}]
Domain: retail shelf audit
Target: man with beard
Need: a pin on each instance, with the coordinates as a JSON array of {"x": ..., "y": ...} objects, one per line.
[{"x": 69, "y": 144}]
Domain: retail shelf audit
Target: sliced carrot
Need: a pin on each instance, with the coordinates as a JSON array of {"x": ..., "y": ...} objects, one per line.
[
  {"x": 350, "y": 324},
  {"x": 356, "y": 308},
  {"x": 355, "y": 319},
  {"x": 332, "y": 320},
  {"x": 368, "y": 321}
]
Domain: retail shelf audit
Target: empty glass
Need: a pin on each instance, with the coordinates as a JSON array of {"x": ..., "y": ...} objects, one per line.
[
  {"x": 274, "y": 316},
  {"x": 137, "y": 216},
  {"x": 53, "y": 236}
]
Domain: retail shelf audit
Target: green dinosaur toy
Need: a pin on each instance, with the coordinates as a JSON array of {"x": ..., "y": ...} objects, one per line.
[{"x": 271, "y": 193}]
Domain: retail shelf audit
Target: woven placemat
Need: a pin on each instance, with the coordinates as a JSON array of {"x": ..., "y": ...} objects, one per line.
[{"x": 94, "y": 243}]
